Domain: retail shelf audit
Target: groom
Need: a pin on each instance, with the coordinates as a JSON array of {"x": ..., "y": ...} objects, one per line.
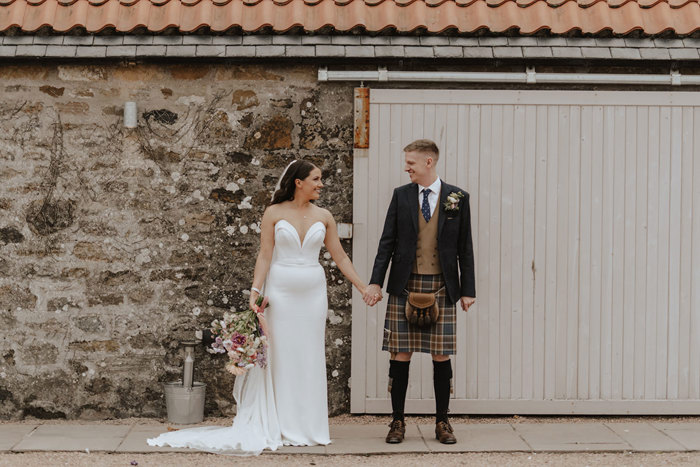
[{"x": 427, "y": 236}]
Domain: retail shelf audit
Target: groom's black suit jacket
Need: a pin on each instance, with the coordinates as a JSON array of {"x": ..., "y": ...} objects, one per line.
[{"x": 400, "y": 234}]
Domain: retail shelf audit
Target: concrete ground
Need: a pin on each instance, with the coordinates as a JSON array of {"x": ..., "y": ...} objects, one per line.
[{"x": 506, "y": 441}]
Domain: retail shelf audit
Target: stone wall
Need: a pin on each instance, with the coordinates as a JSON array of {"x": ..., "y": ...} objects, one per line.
[{"x": 115, "y": 243}]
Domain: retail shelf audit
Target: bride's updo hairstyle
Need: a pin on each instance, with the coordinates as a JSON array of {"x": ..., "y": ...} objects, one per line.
[{"x": 299, "y": 169}]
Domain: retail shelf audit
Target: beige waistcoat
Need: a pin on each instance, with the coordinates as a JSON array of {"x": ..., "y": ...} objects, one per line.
[{"x": 427, "y": 259}]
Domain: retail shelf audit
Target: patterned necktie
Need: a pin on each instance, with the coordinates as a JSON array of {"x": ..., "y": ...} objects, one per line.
[{"x": 425, "y": 207}]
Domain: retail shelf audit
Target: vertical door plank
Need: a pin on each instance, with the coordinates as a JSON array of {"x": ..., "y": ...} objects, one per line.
[
  {"x": 516, "y": 239},
  {"x": 550, "y": 320},
  {"x": 663, "y": 251},
  {"x": 506, "y": 233},
  {"x": 485, "y": 306},
  {"x": 641, "y": 305},
  {"x": 496, "y": 158},
  {"x": 572, "y": 251},
  {"x": 652, "y": 272},
  {"x": 674, "y": 253},
  {"x": 585, "y": 298},
  {"x": 694, "y": 376},
  {"x": 473, "y": 317},
  {"x": 618, "y": 251},
  {"x": 459, "y": 165},
  {"x": 629, "y": 250},
  {"x": 686, "y": 222},
  {"x": 540, "y": 263},
  {"x": 529, "y": 139},
  {"x": 597, "y": 252},
  {"x": 607, "y": 254}
]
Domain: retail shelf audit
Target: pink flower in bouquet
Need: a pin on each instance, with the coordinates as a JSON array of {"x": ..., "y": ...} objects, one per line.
[{"x": 238, "y": 340}]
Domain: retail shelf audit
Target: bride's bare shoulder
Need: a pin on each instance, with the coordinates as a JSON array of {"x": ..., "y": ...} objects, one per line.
[{"x": 326, "y": 215}]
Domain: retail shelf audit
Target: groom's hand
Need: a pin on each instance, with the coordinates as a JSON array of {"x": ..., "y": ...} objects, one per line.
[
  {"x": 372, "y": 295},
  {"x": 466, "y": 302}
]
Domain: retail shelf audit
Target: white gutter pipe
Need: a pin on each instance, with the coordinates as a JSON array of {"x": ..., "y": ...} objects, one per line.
[{"x": 382, "y": 74}]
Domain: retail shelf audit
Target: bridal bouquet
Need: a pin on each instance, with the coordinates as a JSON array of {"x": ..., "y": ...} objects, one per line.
[{"x": 241, "y": 335}]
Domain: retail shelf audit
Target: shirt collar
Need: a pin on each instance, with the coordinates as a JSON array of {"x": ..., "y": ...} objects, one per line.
[{"x": 434, "y": 188}]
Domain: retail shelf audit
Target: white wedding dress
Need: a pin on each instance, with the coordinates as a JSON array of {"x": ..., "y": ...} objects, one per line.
[{"x": 286, "y": 402}]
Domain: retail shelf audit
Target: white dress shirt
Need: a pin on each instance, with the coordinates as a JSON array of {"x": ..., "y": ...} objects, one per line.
[{"x": 432, "y": 197}]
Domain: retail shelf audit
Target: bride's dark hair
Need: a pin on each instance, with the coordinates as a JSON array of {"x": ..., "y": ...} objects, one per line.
[{"x": 299, "y": 169}]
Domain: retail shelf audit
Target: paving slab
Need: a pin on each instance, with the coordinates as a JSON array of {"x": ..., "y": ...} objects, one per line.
[
  {"x": 570, "y": 437},
  {"x": 477, "y": 438},
  {"x": 135, "y": 440},
  {"x": 12, "y": 434},
  {"x": 687, "y": 434},
  {"x": 644, "y": 437},
  {"x": 369, "y": 439},
  {"x": 73, "y": 438}
]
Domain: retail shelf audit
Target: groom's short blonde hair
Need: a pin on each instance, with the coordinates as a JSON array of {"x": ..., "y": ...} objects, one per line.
[{"x": 425, "y": 146}]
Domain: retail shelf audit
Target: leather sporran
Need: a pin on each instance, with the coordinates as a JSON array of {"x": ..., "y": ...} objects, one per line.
[{"x": 422, "y": 309}]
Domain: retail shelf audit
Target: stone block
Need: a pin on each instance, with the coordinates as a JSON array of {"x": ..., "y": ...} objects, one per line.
[
  {"x": 30, "y": 51},
  {"x": 388, "y": 51},
  {"x": 346, "y": 40},
  {"x": 211, "y": 50},
  {"x": 315, "y": 40},
  {"x": 286, "y": 40},
  {"x": 91, "y": 51},
  {"x": 300, "y": 51},
  {"x": 684, "y": 54},
  {"x": 566, "y": 52},
  {"x": 434, "y": 40},
  {"x": 477, "y": 52},
  {"x": 448, "y": 52},
  {"x": 581, "y": 42},
  {"x": 668, "y": 43},
  {"x": 610, "y": 42},
  {"x": 74, "y": 438},
  {"x": 654, "y": 54},
  {"x": 330, "y": 51},
  {"x": 18, "y": 40},
  {"x": 151, "y": 50},
  {"x": 78, "y": 40},
  {"x": 8, "y": 50},
  {"x": 551, "y": 41},
  {"x": 167, "y": 40},
  {"x": 48, "y": 40},
  {"x": 537, "y": 52},
  {"x": 419, "y": 52},
  {"x": 181, "y": 50},
  {"x": 359, "y": 51},
  {"x": 405, "y": 40},
  {"x": 523, "y": 41},
  {"x": 240, "y": 50},
  {"x": 595, "y": 52},
  {"x": 493, "y": 41},
  {"x": 109, "y": 40},
  {"x": 257, "y": 40},
  {"x": 639, "y": 42},
  {"x": 568, "y": 437},
  {"x": 227, "y": 40},
  {"x": 375, "y": 40},
  {"x": 143, "y": 39},
  {"x": 625, "y": 53},
  {"x": 61, "y": 50},
  {"x": 269, "y": 51},
  {"x": 464, "y": 41},
  {"x": 121, "y": 51},
  {"x": 195, "y": 39},
  {"x": 644, "y": 437},
  {"x": 507, "y": 52}
]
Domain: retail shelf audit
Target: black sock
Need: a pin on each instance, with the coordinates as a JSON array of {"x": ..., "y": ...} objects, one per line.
[
  {"x": 398, "y": 372},
  {"x": 442, "y": 374}
]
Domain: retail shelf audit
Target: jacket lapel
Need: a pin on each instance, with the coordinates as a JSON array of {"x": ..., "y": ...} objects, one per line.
[
  {"x": 413, "y": 205},
  {"x": 444, "y": 191}
]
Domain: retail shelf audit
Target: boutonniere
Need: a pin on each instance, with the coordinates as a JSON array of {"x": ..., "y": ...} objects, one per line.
[{"x": 452, "y": 203}]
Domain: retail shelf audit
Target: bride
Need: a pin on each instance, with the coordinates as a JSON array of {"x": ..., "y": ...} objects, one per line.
[{"x": 286, "y": 402}]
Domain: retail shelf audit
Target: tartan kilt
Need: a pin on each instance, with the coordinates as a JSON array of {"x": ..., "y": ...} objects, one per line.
[{"x": 438, "y": 339}]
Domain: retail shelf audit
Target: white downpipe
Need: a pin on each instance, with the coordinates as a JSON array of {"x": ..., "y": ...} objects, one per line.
[{"x": 529, "y": 76}]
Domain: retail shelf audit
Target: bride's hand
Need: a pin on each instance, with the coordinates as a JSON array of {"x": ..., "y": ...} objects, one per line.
[{"x": 251, "y": 302}]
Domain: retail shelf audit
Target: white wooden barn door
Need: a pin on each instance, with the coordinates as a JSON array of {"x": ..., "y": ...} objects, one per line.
[{"x": 586, "y": 221}]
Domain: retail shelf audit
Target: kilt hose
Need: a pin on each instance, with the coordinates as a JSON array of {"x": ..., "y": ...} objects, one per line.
[{"x": 438, "y": 339}]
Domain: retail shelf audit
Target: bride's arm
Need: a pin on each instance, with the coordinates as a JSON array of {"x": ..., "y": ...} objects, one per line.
[
  {"x": 341, "y": 259},
  {"x": 262, "y": 264}
]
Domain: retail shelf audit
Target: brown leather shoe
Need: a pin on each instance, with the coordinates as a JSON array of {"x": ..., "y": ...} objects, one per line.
[
  {"x": 443, "y": 433},
  {"x": 396, "y": 432}
]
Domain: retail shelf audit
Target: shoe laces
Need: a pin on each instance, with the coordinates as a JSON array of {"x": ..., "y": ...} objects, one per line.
[
  {"x": 395, "y": 424},
  {"x": 445, "y": 426}
]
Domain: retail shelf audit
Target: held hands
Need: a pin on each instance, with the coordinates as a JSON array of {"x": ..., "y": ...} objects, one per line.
[
  {"x": 372, "y": 295},
  {"x": 466, "y": 302},
  {"x": 253, "y": 298}
]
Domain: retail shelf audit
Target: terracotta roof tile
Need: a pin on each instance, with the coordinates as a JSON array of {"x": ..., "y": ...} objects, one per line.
[{"x": 619, "y": 17}]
